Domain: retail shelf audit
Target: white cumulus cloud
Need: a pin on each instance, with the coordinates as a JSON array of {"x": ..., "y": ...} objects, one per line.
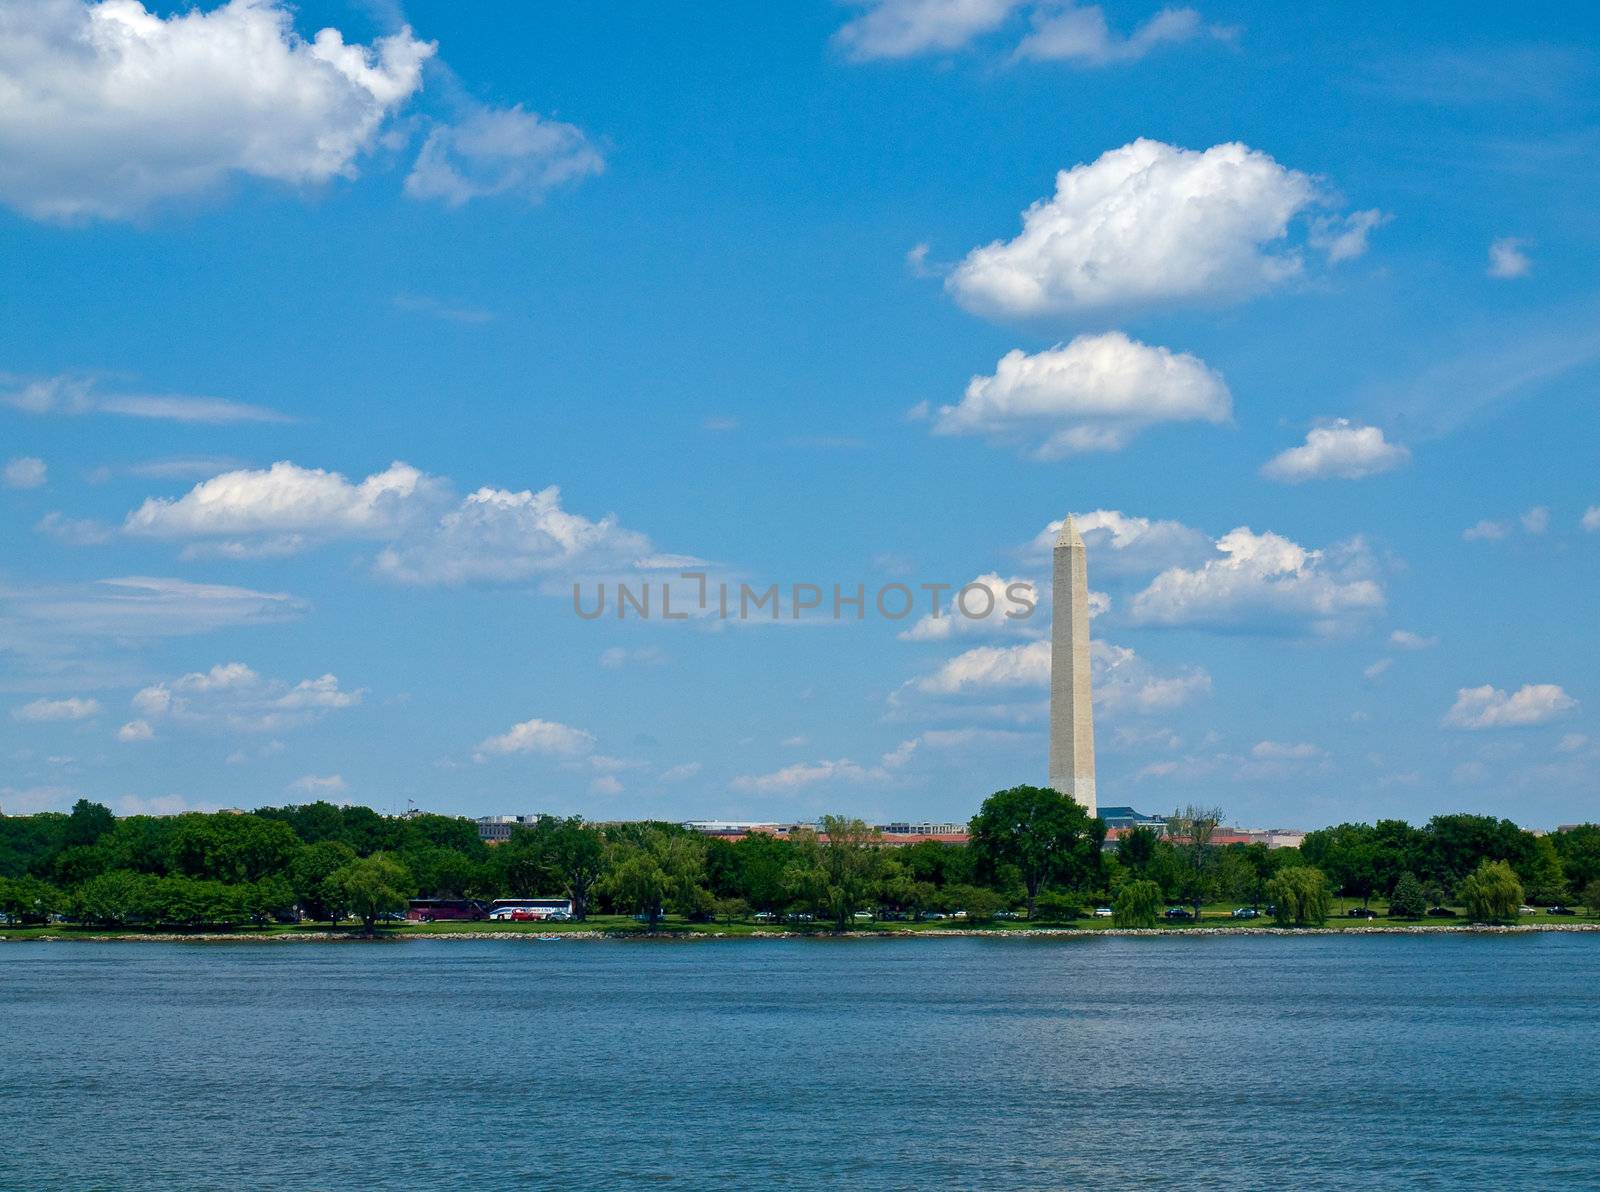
[
  {"x": 497, "y": 535},
  {"x": 1265, "y": 581},
  {"x": 1490, "y": 707},
  {"x": 987, "y": 604},
  {"x": 109, "y": 108},
  {"x": 1342, "y": 450},
  {"x": 1123, "y": 544},
  {"x": 283, "y": 500},
  {"x": 25, "y": 471},
  {"x": 545, "y": 737},
  {"x": 497, "y": 151},
  {"x": 906, "y": 28},
  {"x": 136, "y": 730},
  {"x": 234, "y": 696},
  {"x": 1093, "y": 394},
  {"x": 1507, "y": 258},
  {"x": 41, "y": 711},
  {"x": 1486, "y": 531},
  {"x": 1122, "y": 681},
  {"x": 1069, "y": 33},
  {"x": 1591, "y": 519},
  {"x": 429, "y": 535},
  {"x": 1145, "y": 224},
  {"x": 988, "y": 668}
]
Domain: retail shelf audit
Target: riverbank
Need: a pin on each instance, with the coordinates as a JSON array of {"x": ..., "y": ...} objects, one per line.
[{"x": 712, "y": 932}]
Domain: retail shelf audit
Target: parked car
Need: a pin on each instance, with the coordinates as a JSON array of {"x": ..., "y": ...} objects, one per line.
[
  {"x": 1441, "y": 912},
  {"x": 935, "y": 915},
  {"x": 799, "y": 916},
  {"x": 863, "y": 915},
  {"x": 765, "y": 917},
  {"x": 1362, "y": 912},
  {"x": 958, "y": 915},
  {"x": 1177, "y": 914},
  {"x": 892, "y": 916},
  {"x": 1007, "y": 915},
  {"x": 1103, "y": 912},
  {"x": 1526, "y": 910},
  {"x": 1559, "y": 910},
  {"x": 1246, "y": 912}
]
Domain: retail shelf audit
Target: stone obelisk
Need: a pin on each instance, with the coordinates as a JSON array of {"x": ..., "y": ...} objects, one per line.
[{"x": 1071, "y": 713}]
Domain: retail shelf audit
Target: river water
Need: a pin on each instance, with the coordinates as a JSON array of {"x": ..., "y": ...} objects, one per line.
[{"x": 1231, "y": 1062}]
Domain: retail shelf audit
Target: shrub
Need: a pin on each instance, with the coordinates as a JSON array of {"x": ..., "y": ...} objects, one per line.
[
  {"x": 1056, "y": 908},
  {"x": 980, "y": 904}
]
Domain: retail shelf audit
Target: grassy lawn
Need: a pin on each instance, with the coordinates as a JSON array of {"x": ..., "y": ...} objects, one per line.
[{"x": 1212, "y": 915}]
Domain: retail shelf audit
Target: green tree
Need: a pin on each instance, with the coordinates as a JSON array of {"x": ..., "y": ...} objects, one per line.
[
  {"x": 309, "y": 876},
  {"x": 1546, "y": 876},
  {"x": 1136, "y": 848},
  {"x": 1051, "y": 907},
  {"x": 87, "y": 823},
  {"x": 654, "y": 868},
  {"x": 231, "y": 848},
  {"x": 29, "y": 900},
  {"x": 1044, "y": 834},
  {"x": 267, "y": 899},
  {"x": 1492, "y": 893},
  {"x": 576, "y": 856},
  {"x": 1580, "y": 854},
  {"x": 116, "y": 898},
  {"x": 761, "y": 860},
  {"x": 1409, "y": 900},
  {"x": 837, "y": 870},
  {"x": 1300, "y": 896},
  {"x": 1348, "y": 855},
  {"x": 372, "y": 886},
  {"x": 1456, "y": 845},
  {"x": 1137, "y": 904},
  {"x": 444, "y": 873},
  {"x": 1591, "y": 898},
  {"x": 1190, "y": 831},
  {"x": 980, "y": 904}
]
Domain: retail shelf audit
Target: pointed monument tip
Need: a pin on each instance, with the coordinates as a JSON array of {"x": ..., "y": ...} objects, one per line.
[{"x": 1069, "y": 535}]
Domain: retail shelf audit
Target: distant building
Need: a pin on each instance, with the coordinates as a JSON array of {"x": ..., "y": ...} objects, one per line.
[
  {"x": 734, "y": 829},
  {"x": 497, "y": 829},
  {"x": 1121, "y": 819},
  {"x": 922, "y": 829},
  {"x": 894, "y": 835}
]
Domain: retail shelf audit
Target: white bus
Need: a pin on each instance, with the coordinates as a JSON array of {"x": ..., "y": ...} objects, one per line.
[{"x": 530, "y": 910}]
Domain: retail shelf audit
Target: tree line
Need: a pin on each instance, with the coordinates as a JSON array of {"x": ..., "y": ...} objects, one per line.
[{"x": 1033, "y": 853}]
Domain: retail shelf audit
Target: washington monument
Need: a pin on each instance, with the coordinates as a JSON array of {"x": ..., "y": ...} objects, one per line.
[{"x": 1071, "y": 714}]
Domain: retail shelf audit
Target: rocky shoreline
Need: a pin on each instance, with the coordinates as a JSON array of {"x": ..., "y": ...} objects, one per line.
[{"x": 1023, "y": 933}]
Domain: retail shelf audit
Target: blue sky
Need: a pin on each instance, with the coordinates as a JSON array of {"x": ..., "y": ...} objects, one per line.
[{"x": 301, "y": 329}]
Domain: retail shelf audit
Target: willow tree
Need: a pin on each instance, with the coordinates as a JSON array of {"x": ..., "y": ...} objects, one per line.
[
  {"x": 1137, "y": 904},
  {"x": 1300, "y": 896},
  {"x": 1492, "y": 893}
]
